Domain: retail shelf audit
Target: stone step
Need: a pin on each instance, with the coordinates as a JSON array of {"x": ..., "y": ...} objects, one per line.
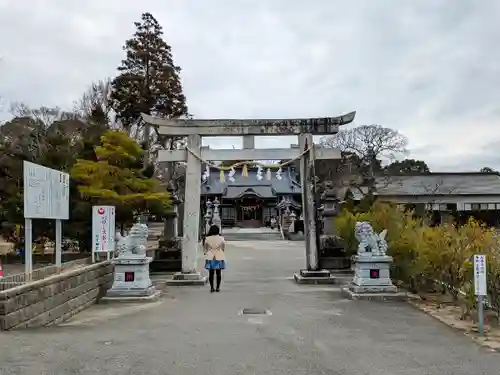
[{"x": 252, "y": 236}]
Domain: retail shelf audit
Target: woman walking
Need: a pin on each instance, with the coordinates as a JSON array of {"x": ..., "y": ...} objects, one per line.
[{"x": 215, "y": 259}]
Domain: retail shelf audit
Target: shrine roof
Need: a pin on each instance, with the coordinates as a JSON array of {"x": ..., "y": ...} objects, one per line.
[{"x": 265, "y": 188}]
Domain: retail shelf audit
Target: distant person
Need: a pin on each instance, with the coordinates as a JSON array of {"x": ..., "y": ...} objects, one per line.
[
  {"x": 273, "y": 222},
  {"x": 215, "y": 258}
]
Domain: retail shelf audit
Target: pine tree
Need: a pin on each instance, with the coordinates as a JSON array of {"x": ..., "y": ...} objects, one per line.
[
  {"x": 116, "y": 178},
  {"x": 149, "y": 80}
]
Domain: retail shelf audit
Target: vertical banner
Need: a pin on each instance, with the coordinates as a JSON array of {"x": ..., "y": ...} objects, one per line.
[
  {"x": 480, "y": 275},
  {"x": 103, "y": 229},
  {"x": 480, "y": 288}
]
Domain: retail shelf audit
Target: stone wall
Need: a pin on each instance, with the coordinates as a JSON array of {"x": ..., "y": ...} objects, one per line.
[
  {"x": 11, "y": 281},
  {"x": 54, "y": 299}
]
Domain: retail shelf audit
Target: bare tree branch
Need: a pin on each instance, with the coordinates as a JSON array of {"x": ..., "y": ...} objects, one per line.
[
  {"x": 45, "y": 116},
  {"x": 363, "y": 148},
  {"x": 382, "y": 142},
  {"x": 438, "y": 188},
  {"x": 96, "y": 96}
]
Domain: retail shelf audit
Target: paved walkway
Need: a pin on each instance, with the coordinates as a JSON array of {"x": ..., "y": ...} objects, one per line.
[{"x": 311, "y": 331}]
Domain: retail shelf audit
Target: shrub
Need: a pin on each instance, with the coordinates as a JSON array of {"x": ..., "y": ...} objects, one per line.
[
  {"x": 345, "y": 224},
  {"x": 443, "y": 256},
  {"x": 493, "y": 278},
  {"x": 424, "y": 254}
]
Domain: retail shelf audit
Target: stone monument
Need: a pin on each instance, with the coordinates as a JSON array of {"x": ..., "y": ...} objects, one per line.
[
  {"x": 371, "y": 267},
  {"x": 131, "y": 277}
]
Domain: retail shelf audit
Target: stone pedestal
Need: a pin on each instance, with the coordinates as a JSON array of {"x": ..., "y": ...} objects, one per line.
[
  {"x": 131, "y": 280},
  {"x": 372, "y": 279},
  {"x": 314, "y": 277},
  {"x": 187, "y": 279}
]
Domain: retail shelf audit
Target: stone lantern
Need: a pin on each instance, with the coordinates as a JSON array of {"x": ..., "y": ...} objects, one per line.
[{"x": 332, "y": 252}]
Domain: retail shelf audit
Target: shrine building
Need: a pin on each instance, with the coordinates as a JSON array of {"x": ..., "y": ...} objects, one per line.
[{"x": 251, "y": 195}]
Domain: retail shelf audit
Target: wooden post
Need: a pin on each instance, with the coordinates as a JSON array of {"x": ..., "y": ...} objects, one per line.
[{"x": 191, "y": 221}]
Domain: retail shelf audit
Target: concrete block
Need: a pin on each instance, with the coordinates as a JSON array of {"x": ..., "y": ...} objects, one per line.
[
  {"x": 358, "y": 294},
  {"x": 314, "y": 277},
  {"x": 187, "y": 279}
]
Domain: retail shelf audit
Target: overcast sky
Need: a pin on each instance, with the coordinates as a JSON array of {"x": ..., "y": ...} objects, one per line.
[{"x": 430, "y": 69}]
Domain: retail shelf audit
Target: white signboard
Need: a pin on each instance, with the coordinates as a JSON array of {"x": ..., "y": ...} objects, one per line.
[
  {"x": 46, "y": 192},
  {"x": 480, "y": 275},
  {"x": 103, "y": 229}
]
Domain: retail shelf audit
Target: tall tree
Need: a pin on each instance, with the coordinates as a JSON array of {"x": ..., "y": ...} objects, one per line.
[
  {"x": 407, "y": 166},
  {"x": 148, "y": 80}
]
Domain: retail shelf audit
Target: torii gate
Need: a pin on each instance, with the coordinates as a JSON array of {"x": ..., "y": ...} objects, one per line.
[{"x": 195, "y": 129}]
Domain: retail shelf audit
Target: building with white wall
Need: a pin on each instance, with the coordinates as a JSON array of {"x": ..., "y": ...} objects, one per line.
[{"x": 462, "y": 194}]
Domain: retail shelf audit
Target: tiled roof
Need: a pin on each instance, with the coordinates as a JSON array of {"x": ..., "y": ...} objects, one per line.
[{"x": 441, "y": 184}]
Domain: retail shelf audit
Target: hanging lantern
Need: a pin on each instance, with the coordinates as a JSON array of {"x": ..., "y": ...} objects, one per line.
[
  {"x": 269, "y": 176},
  {"x": 244, "y": 172},
  {"x": 222, "y": 176}
]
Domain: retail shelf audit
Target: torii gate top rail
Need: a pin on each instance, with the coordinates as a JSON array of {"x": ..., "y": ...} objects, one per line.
[{"x": 316, "y": 126}]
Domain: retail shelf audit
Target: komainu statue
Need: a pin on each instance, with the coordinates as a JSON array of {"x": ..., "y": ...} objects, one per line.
[
  {"x": 370, "y": 243},
  {"x": 135, "y": 243}
]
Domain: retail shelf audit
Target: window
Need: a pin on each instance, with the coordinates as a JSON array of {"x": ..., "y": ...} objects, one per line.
[
  {"x": 467, "y": 207},
  {"x": 475, "y": 206},
  {"x": 491, "y": 206},
  {"x": 484, "y": 206}
]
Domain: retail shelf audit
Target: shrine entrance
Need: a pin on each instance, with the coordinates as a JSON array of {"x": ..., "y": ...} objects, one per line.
[
  {"x": 196, "y": 156},
  {"x": 249, "y": 212}
]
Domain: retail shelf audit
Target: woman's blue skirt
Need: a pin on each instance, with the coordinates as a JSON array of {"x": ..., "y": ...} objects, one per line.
[{"x": 215, "y": 264}]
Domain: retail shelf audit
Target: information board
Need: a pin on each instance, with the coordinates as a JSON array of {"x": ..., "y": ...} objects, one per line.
[
  {"x": 480, "y": 275},
  {"x": 103, "y": 229},
  {"x": 46, "y": 192}
]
